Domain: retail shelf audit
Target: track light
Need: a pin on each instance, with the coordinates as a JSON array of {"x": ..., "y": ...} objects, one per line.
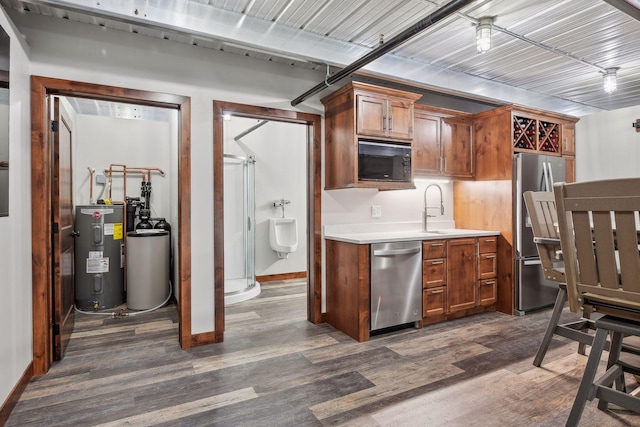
[
  {"x": 610, "y": 80},
  {"x": 483, "y": 34}
]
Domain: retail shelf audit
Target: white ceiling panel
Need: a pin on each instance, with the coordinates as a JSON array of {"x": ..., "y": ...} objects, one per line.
[{"x": 548, "y": 52}]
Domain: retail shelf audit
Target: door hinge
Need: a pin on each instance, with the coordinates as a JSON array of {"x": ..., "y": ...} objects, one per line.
[
  {"x": 55, "y": 228},
  {"x": 54, "y": 126},
  {"x": 56, "y": 329}
]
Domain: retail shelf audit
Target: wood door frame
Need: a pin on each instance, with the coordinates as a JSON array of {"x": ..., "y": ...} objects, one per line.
[
  {"x": 41, "y": 88},
  {"x": 314, "y": 192}
]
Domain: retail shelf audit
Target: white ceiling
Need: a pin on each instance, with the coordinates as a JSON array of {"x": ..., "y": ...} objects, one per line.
[{"x": 546, "y": 53}]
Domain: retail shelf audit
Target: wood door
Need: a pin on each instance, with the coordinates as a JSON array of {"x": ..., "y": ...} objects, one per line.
[
  {"x": 400, "y": 119},
  {"x": 457, "y": 148},
  {"x": 371, "y": 115},
  {"x": 426, "y": 155},
  {"x": 63, "y": 245},
  {"x": 461, "y": 274}
]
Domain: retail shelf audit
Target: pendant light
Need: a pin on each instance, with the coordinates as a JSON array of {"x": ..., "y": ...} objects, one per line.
[
  {"x": 483, "y": 34},
  {"x": 610, "y": 80}
]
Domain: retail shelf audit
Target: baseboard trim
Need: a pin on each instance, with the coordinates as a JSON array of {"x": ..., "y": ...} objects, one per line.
[
  {"x": 205, "y": 338},
  {"x": 15, "y": 394},
  {"x": 283, "y": 276}
]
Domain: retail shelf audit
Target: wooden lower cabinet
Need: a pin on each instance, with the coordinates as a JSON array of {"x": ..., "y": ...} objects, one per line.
[
  {"x": 458, "y": 277},
  {"x": 462, "y": 256},
  {"x": 455, "y": 282},
  {"x": 434, "y": 301},
  {"x": 487, "y": 292}
]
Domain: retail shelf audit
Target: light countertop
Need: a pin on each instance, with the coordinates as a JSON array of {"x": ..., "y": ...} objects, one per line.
[{"x": 361, "y": 234}]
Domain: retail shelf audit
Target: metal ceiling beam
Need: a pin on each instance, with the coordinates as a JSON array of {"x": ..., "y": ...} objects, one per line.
[
  {"x": 446, "y": 10},
  {"x": 630, "y": 7}
]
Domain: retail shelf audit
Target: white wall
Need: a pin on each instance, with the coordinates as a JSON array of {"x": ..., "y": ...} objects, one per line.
[
  {"x": 69, "y": 50},
  {"x": 280, "y": 150},
  {"x": 353, "y": 206},
  {"x": 100, "y": 141},
  {"x": 15, "y": 230},
  {"x": 607, "y": 146}
]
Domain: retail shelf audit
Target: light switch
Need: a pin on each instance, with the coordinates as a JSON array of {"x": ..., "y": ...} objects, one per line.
[{"x": 376, "y": 211}]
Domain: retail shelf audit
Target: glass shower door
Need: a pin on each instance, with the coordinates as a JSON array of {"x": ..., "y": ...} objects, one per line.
[{"x": 239, "y": 227}]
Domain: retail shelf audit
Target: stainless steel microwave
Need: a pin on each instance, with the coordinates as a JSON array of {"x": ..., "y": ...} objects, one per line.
[{"x": 381, "y": 161}]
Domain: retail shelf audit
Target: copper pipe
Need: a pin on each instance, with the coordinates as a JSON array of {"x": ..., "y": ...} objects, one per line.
[{"x": 91, "y": 172}]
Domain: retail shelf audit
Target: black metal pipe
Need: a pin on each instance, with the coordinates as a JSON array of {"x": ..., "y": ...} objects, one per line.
[{"x": 450, "y": 8}]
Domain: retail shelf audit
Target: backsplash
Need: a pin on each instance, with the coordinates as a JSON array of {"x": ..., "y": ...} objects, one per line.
[{"x": 354, "y": 206}]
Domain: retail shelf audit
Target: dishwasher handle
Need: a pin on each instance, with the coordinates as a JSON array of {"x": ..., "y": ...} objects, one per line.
[{"x": 394, "y": 252}]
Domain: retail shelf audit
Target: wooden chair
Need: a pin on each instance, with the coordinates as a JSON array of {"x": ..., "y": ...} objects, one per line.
[
  {"x": 599, "y": 228},
  {"x": 541, "y": 206}
]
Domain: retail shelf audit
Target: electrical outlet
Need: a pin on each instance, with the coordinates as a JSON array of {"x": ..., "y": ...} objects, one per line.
[{"x": 376, "y": 211}]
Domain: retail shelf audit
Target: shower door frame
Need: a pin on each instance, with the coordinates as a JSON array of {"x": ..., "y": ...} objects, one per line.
[
  {"x": 314, "y": 191},
  {"x": 249, "y": 211}
]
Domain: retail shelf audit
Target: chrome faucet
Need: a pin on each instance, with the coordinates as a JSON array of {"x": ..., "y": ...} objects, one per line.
[
  {"x": 281, "y": 203},
  {"x": 425, "y": 215}
]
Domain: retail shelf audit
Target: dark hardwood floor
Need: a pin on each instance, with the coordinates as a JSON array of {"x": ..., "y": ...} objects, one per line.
[{"x": 277, "y": 369}]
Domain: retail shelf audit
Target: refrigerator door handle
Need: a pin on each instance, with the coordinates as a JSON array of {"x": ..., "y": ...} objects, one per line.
[
  {"x": 546, "y": 168},
  {"x": 551, "y": 181},
  {"x": 543, "y": 178},
  {"x": 532, "y": 262}
]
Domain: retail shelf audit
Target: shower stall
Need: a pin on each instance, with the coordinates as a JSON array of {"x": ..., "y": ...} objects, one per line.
[{"x": 239, "y": 229}]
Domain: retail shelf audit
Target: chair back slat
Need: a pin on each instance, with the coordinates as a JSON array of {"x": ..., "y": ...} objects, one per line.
[
  {"x": 605, "y": 250},
  {"x": 627, "y": 242},
  {"x": 541, "y": 207},
  {"x": 599, "y": 232}
]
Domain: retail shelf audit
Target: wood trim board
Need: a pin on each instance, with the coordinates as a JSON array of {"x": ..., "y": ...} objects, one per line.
[{"x": 41, "y": 89}]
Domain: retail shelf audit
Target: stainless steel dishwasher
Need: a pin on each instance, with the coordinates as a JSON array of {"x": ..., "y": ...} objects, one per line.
[{"x": 396, "y": 283}]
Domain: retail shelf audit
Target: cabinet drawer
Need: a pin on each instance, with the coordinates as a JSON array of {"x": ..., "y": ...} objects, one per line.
[
  {"x": 434, "y": 272},
  {"x": 488, "y": 292},
  {"x": 434, "y": 249},
  {"x": 487, "y": 266},
  {"x": 488, "y": 244},
  {"x": 434, "y": 301}
]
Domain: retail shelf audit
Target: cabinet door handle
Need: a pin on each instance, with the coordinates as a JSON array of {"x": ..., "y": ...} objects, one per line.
[
  {"x": 490, "y": 283},
  {"x": 436, "y": 244},
  {"x": 437, "y": 262},
  {"x": 437, "y": 292},
  {"x": 489, "y": 256},
  {"x": 490, "y": 240},
  {"x": 390, "y": 122}
]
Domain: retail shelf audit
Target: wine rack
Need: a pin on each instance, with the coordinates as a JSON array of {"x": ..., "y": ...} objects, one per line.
[
  {"x": 536, "y": 135},
  {"x": 524, "y": 133},
  {"x": 548, "y": 137}
]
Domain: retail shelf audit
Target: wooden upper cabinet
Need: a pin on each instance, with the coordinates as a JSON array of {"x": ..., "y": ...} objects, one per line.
[
  {"x": 384, "y": 116},
  {"x": 371, "y": 115},
  {"x": 500, "y": 132},
  {"x": 426, "y": 153},
  {"x": 457, "y": 147},
  {"x": 363, "y": 111},
  {"x": 442, "y": 145},
  {"x": 400, "y": 118},
  {"x": 569, "y": 139}
]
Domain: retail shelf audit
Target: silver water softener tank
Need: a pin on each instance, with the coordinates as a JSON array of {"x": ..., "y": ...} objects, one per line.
[
  {"x": 147, "y": 268},
  {"x": 99, "y": 257}
]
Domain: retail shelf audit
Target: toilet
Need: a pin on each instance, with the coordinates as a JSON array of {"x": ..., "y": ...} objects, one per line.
[{"x": 283, "y": 236}]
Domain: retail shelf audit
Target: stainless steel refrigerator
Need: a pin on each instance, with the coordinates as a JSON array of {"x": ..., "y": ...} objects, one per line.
[{"x": 532, "y": 172}]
